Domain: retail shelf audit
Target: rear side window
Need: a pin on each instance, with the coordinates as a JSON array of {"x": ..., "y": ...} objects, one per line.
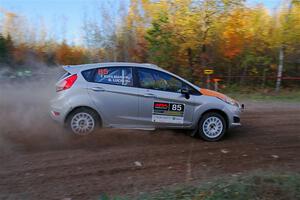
[
  {"x": 88, "y": 74},
  {"x": 114, "y": 76}
]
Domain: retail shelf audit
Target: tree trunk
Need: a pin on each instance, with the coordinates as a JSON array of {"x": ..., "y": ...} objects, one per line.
[
  {"x": 229, "y": 74},
  {"x": 203, "y": 62},
  {"x": 263, "y": 84},
  {"x": 281, "y": 52},
  {"x": 280, "y": 68},
  {"x": 191, "y": 64},
  {"x": 242, "y": 79}
]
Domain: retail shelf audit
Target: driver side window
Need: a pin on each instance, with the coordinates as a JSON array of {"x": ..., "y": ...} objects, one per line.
[{"x": 152, "y": 79}]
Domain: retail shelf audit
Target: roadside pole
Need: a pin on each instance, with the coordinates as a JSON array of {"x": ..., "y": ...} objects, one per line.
[
  {"x": 208, "y": 72},
  {"x": 216, "y": 83},
  {"x": 208, "y": 81}
]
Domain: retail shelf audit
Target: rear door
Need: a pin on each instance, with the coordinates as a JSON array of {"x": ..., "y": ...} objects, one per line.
[
  {"x": 112, "y": 91},
  {"x": 161, "y": 103}
]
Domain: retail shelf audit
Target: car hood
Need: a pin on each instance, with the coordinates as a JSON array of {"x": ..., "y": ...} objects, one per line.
[{"x": 212, "y": 93}]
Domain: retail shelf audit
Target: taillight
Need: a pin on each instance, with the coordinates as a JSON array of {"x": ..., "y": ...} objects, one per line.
[{"x": 66, "y": 83}]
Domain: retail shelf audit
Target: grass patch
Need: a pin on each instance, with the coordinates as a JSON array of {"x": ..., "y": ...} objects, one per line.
[
  {"x": 287, "y": 95},
  {"x": 257, "y": 185}
]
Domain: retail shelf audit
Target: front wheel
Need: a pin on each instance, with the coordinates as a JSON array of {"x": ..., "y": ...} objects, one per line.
[
  {"x": 212, "y": 127},
  {"x": 83, "y": 121}
]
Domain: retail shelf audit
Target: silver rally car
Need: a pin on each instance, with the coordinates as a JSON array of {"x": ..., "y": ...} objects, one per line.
[{"x": 139, "y": 96}]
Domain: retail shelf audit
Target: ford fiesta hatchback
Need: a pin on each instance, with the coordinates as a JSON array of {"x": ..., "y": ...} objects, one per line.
[{"x": 139, "y": 96}]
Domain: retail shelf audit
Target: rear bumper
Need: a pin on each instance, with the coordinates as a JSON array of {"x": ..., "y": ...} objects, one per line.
[
  {"x": 58, "y": 110},
  {"x": 56, "y": 116}
]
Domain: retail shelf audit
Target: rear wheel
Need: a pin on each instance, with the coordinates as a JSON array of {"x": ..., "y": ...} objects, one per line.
[
  {"x": 83, "y": 121},
  {"x": 212, "y": 127}
]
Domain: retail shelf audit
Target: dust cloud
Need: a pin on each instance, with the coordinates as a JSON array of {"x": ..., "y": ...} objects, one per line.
[
  {"x": 24, "y": 110},
  {"x": 26, "y": 125}
]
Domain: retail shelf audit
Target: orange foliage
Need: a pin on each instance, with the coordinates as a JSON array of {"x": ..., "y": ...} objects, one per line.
[
  {"x": 67, "y": 55},
  {"x": 236, "y": 32}
]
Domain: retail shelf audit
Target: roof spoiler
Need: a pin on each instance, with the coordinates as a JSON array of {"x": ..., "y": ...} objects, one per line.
[{"x": 72, "y": 69}]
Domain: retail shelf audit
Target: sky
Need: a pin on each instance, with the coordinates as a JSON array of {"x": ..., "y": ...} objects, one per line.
[
  {"x": 64, "y": 18},
  {"x": 270, "y": 4}
]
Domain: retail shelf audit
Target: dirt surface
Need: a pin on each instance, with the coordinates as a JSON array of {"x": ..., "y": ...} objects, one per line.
[{"x": 38, "y": 160}]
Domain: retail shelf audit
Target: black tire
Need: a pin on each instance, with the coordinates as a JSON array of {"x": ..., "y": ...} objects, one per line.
[
  {"x": 83, "y": 112},
  {"x": 217, "y": 130}
]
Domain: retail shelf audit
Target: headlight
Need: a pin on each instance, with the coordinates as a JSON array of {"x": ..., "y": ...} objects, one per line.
[{"x": 229, "y": 100}]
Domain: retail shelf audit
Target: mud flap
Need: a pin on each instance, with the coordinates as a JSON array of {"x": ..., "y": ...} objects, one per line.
[{"x": 194, "y": 132}]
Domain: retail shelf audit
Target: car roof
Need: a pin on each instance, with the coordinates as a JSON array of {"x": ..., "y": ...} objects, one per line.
[{"x": 76, "y": 68}]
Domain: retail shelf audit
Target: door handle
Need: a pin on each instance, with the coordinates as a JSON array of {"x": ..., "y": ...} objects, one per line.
[
  {"x": 149, "y": 95},
  {"x": 98, "y": 89}
]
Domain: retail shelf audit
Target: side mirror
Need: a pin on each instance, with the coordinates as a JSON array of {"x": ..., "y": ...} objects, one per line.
[{"x": 185, "y": 92}]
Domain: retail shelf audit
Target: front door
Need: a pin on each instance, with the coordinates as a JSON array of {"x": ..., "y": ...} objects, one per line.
[{"x": 161, "y": 103}]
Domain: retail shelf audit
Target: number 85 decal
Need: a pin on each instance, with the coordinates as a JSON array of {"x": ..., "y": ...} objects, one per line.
[{"x": 177, "y": 107}]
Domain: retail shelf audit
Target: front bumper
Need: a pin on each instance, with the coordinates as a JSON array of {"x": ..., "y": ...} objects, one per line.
[{"x": 234, "y": 113}]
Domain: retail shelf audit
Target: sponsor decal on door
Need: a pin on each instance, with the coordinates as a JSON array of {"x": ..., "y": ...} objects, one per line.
[{"x": 168, "y": 112}]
